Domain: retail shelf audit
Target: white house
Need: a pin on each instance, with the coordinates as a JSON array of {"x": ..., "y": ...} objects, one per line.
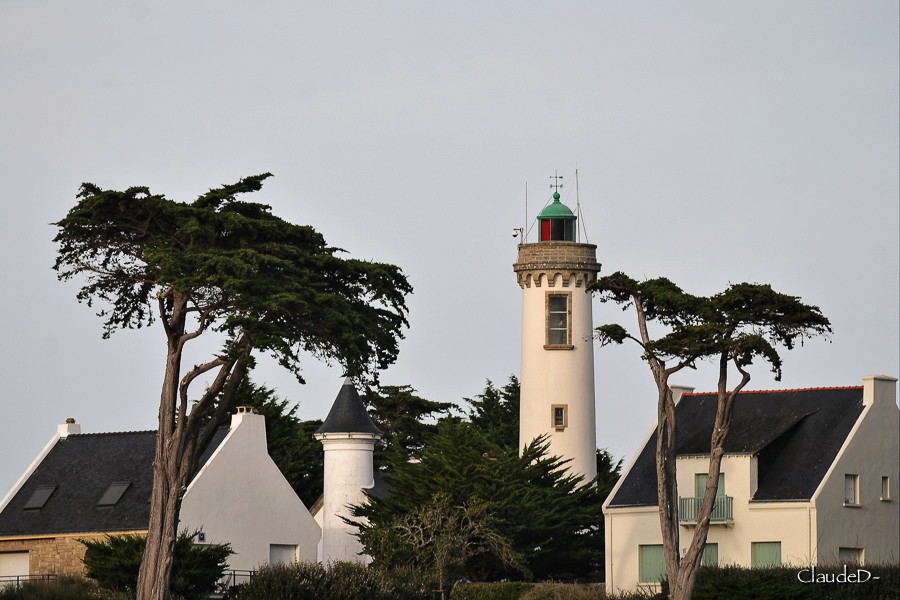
[
  {"x": 84, "y": 486},
  {"x": 809, "y": 478}
]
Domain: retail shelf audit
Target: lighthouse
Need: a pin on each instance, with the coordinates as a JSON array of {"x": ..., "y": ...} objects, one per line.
[
  {"x": 348, "y": 438},
  {"x": 557, "y": 369}
]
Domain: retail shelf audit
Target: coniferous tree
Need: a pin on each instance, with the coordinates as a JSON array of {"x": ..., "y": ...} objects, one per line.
[
  {"x": 495, "y": 411},
  {"x": 746, "y": 322},
  {"x": 228, "y": 266},
  {"x": 546, "y": 516}
]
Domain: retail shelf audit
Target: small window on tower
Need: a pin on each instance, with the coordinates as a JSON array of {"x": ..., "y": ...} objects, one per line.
[
  {"x": 559, "y": 328},
  {"x": 560, "y": 416}
]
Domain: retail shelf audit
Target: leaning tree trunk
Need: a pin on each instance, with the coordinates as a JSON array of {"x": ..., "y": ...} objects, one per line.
[{"x": 156, "y": 564}]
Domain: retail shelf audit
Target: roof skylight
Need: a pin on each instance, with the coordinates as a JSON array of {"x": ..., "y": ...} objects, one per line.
[
  {"x": 113, "y": 493},
  {"x": 39, "y": 497}
]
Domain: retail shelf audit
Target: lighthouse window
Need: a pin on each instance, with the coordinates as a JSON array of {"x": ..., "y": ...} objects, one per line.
[
  {"x": 558, "y": 322},
  {"x": 560, "y": 416}
]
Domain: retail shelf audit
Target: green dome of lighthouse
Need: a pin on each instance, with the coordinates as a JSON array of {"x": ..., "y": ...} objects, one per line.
[
  {"x": 556, "y": 210},
  {"x": 557, "y": 222}
]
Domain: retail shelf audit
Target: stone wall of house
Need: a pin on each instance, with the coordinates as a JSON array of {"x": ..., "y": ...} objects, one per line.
[{"x": 51, "y": 555}]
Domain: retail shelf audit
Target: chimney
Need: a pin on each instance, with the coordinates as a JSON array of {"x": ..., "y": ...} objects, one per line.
[
  {"x": 878, "y": 389},
  {"x": 680, "y": 390},
  {"x": 70, "y": 427}
]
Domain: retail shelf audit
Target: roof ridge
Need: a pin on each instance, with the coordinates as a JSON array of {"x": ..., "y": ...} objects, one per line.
[
  {"x": 111, "y": 433},
  {"x": 810, "y": 389}
]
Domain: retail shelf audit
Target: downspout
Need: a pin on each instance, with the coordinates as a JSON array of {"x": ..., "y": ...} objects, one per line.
[{"x": 610, "y": 554}]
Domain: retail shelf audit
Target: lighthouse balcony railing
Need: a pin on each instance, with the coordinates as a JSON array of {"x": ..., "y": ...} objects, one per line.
[{"x": 722, "y": 512}]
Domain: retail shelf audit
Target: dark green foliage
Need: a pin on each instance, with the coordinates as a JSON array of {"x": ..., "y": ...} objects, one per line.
[
  {"x": 241, "y": 267},
  {"x": 340, "y": 581},
  {"x": 547, "y": 518},
  {"x": 114, "y": 562},
  {"x": 61, "y": 588},
  {"x": 510, "y": 590},
  {"x": 741, "y": 583},
  {"x": 745, "y": 322},
  {"x": 289, "y": 440},
  {"x": 542, "y": 591},
  {"x": 608, "y": 472},
  {"x": 563, "y": 591},
  {"x": 402, "y": 416},
  {"x": 495, "y": 412}
]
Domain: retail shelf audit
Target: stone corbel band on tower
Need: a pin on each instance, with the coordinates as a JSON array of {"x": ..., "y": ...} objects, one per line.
[{"x": 575, "y": 262}]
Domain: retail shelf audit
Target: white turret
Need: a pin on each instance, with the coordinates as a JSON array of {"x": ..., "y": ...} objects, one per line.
[
  {"x": 348, "y": 438},
  {"x": 557, "y": 377}
]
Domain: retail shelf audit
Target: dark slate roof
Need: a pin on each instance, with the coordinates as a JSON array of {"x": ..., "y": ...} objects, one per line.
[
  {"x": 82, "y": 467},
  {"x": 795, "y": 435},
  {"x": 348, "y": 414}
]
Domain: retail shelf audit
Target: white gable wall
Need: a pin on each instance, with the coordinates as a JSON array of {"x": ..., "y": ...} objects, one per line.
[
  {"x": 240, "y": 497},
  {"x": 870, "y": 452}
]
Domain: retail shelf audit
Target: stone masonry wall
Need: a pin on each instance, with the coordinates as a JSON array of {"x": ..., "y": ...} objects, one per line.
[{"x": 52, "y": 556}]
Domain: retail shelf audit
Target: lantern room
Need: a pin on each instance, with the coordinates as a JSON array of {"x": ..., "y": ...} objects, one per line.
[{"x": 557, "y": 222}]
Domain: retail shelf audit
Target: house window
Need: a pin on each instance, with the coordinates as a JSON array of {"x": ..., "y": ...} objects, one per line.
[
  {"x": 282, "y": 554},
  {"x": 851, "y": 490},
  {"x": 765, "y": 554},
  {"x": 700, "y": 480},
  {"x": 885, "y": 489},
  {"x": 13, "y": 565},
  {"x": 560, "y": 416},
  {"x": 559, "y": 322},
  {"x": 651, "y": 563},
  {"x": 710, "y": 555},
  {"x": 851, "y": 556}
]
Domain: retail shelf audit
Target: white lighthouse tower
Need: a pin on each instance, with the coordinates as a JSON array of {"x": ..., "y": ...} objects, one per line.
[
  {"x": 557, "y": 377},
  {"x": 348, "y": 438}
]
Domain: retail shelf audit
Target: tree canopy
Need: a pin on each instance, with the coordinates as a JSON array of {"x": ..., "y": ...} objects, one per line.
[
  {"x": 237, "y": 268},
  {"x": 744, "y": 323},
  {"x": 229, "y": 266}
]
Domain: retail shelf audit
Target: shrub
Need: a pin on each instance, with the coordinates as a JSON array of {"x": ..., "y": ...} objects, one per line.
[
  {"x": 63, "y": 588},
  {"x": 742, "y": 583},
  {"x": 115, "y": 561},
  {"x": 512, "y": 590},
  {"x": 337, "y": 581},
  {"x": 563, "y": 591}
]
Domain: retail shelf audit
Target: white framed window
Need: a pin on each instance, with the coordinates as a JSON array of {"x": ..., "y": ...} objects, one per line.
[
  {"x": 651, "y": 563},
  {"x": 851, "y": 490},
  {"x": 710, "y": 555},
  {"x": 560, "y": 416},
  {"x": 558, "y": 321},
  {"x": 765, "y": 554},
  {"x": 851, "y": 556},
  {"x": 885, "y": 489},
  {"x": 282, "y": 554}
]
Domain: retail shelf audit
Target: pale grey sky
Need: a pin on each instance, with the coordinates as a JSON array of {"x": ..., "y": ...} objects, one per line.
[{"x": 716, "y": 142}]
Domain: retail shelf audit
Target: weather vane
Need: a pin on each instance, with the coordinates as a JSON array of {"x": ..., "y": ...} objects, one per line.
[{"x": 556, "y": 177}]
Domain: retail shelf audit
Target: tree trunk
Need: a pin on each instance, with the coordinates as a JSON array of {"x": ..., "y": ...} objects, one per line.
[{"x": 156, "y": 564}]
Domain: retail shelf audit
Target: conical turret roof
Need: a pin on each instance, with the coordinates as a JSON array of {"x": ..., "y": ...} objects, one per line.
[{"x": 348, "y": 414}]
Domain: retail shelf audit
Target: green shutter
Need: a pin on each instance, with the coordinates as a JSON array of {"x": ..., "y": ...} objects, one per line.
[
  {"x": 710, "y": 555},
  {"x": 652, "y": 563},
  {"x": 765, "y": 554}
]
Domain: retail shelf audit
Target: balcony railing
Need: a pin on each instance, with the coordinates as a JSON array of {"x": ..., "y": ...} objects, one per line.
[{"x": 689, "y": 508}]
